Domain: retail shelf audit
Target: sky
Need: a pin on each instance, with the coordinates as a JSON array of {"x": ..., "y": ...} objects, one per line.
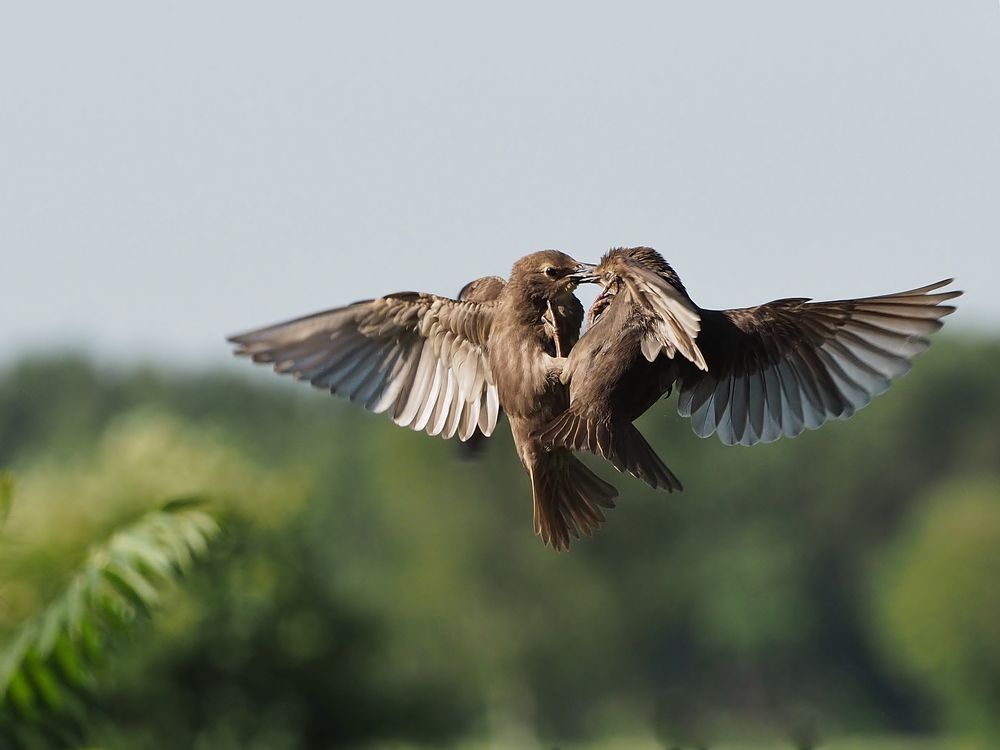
[{"x": 171, "y": 173}]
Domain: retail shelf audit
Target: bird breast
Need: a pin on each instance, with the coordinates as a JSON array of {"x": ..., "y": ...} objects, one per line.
[{"x": 527, "y": 378}]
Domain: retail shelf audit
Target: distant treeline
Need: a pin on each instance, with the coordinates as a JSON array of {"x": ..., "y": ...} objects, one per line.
[{"x": 369, "y": 586}]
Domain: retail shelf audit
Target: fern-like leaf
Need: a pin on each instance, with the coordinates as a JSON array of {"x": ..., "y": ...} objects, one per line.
[{"x": 47, "y": 669}]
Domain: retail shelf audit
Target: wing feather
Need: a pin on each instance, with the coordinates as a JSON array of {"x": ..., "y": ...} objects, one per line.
[
  {"x": 677, "y": 319},
  {"x": 419, "y": 357},
  {"x": 793, "y": 364}
]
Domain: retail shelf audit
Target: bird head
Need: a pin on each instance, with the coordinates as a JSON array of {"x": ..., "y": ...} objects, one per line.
[
  {"x": 549, "y": 274},
  {"x": 615, "y": 265}
]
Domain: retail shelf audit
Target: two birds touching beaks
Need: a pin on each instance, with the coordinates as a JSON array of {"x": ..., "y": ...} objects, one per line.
[{"x": 451, "y": 366}]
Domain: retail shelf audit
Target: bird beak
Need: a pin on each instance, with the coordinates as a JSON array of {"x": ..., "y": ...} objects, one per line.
[{"x": 584, "y": 274}]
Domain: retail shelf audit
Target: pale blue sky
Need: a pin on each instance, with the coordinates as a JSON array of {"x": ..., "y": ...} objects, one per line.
[{"x": 172, "y": 173}]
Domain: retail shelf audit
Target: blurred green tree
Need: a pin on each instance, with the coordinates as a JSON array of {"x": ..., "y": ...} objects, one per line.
[
  {"x": 371, "y": 589},
  {"x": 938, "y": 603},
  {"x": 48, "y": 670}
]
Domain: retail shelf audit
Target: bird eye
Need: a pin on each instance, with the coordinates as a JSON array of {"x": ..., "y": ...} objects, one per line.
[{"x": 551, "y": 272}]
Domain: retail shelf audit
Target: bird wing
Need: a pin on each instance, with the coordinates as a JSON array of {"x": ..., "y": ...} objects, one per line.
[
  {"x": 483, "y": 289},
  {"x": 676, "y": 319},
  {"x": 792, "y": 363},
  {"x": 419, "y": 357}
]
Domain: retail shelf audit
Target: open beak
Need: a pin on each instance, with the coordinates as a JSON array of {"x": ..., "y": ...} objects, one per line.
[{"x": 584, "y": 274}]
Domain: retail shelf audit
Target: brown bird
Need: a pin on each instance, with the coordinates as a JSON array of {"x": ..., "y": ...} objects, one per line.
[
  {"x": 447, "y": 367},
  {"x": 751, "y": 375},
  {"x": 562, "y": 322}
]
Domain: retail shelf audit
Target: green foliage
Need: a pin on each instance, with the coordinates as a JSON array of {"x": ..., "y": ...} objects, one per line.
[
  {"x": 47, "y": 672},
  {"x": 939, "y": 603},
  {"x": 6, "y": 497},
  {"x": 372, "y": 590}
]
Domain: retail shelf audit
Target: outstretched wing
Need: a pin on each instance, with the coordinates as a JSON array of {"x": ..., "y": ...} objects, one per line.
[
  {"x": 419, "y": 357},
  {"x": 483, "y": 289},
  {"x": 677, "y": 320},
  {"x": 791, "y": 364}
]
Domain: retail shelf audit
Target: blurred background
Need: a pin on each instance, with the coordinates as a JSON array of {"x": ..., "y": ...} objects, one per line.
[{"x": 173, "y": 174}]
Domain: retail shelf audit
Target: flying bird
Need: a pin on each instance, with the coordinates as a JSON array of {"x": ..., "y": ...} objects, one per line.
[
  {"x": 749, "y": 375},
  {"x": 448, "y": 367},
  {"x": 562, "y": 320}
]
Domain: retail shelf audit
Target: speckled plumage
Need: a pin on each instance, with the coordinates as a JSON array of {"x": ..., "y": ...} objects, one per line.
[
  {"x": 750, "y": 375},
  {"x": 448, "y": 367}
]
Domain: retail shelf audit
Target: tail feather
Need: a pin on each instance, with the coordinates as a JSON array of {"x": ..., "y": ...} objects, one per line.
[
  {"x": 568, "y": 498},
  {"x": 617, "y": 440}
]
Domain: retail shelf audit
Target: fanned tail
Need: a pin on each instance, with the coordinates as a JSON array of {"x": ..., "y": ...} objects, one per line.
[
  {"x": 568, "y": 498},
  {"x": 617, "y": 440}
]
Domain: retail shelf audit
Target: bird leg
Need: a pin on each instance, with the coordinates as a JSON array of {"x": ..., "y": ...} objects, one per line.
[{"x": 555, "y": 330}]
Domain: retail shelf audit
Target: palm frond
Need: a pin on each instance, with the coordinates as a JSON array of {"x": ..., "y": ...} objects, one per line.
[{"x": 47, "y": 670}]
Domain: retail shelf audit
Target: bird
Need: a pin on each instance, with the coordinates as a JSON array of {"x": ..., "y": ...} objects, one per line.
[
  {"x": 749, "y": 375},
  {"x": 447, "y": 367},
  {"x": 562, "y": 323}
]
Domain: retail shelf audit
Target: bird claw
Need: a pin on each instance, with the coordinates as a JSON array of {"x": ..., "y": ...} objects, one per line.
[{"x": 557, "y": 367}]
